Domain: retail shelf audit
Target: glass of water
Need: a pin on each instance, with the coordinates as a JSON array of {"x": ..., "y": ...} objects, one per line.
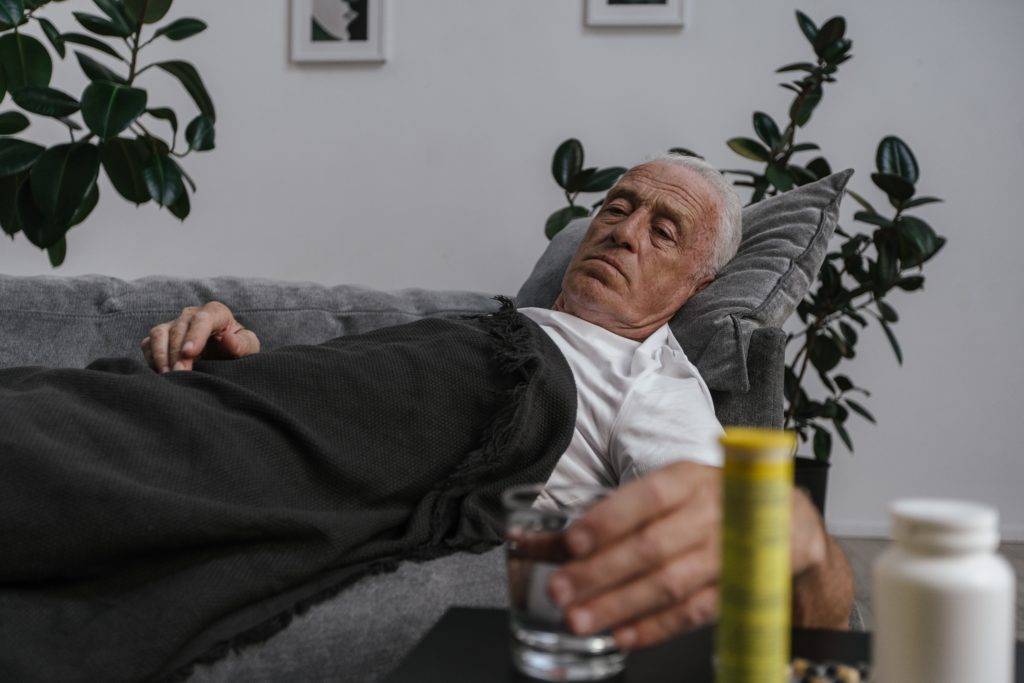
[{"x": 542, "y": 644}]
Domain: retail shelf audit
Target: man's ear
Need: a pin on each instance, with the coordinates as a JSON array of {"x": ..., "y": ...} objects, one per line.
[{"x": 703, "y": 283}]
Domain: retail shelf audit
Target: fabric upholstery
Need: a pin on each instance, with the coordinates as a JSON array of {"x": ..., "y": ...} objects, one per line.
[{"x": 784, "y": 242}]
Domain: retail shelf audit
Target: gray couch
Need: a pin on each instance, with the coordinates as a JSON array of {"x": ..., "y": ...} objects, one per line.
[{"x": 364, "y": 631}]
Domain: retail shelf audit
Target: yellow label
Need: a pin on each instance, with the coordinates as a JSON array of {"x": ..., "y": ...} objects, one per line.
[{"x": 752, "y": 640}]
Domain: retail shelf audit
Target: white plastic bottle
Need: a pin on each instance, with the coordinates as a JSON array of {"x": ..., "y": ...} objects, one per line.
[{"x": 942, "y": 599}]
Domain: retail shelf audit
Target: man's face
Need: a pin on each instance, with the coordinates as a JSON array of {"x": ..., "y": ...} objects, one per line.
[{"x": 646, "y": 252}]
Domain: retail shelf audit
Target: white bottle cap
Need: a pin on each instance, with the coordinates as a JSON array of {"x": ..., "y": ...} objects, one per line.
[{"x": 944, "y": 525}]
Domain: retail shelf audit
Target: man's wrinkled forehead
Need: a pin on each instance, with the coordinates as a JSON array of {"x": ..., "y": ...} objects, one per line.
[{"x": 677, "y": 185}]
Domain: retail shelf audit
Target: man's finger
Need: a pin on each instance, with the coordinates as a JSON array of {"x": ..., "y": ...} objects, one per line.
[
  {"x": 700, "y": 609},
  {"x": 177, "y": 336},
  {"x": 158, "y": 347},
  {"x": 682, "y": 529},
  {"x": 672, "y": 583},
  {"x": 198, "y": 334},
  {"x": 240, "y": 343},
  {"x": 634, "y": 504}
]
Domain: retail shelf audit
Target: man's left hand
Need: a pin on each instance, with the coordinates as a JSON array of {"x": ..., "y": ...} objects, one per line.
[{"x": 647, "y": 557}]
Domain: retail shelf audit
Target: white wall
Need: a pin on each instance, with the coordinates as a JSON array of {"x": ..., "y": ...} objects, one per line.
[{"x": 432, "y": 170}]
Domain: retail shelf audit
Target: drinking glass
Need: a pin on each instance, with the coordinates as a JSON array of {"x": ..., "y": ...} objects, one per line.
[{"x": 542, "y": 644}]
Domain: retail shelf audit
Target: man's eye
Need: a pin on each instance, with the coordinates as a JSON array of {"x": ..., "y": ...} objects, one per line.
[
  {"x": 663, "y": 233},
  {"x": 617, "y": 210}
]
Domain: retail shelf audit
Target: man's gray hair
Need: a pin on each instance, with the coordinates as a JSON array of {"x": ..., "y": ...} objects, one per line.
[{"x": 730, "y": 207}]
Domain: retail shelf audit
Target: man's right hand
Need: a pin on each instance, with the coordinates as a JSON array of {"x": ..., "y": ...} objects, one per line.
[{"x": 208, "y": 331}]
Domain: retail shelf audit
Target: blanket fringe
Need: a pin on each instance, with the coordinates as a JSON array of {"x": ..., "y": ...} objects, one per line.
[{"x": 515, "y": 354}]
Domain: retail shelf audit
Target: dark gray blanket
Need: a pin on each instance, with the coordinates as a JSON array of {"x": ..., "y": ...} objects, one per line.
[{"x": 149, "y": 521}]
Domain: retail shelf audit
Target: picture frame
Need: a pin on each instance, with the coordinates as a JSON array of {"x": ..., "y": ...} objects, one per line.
[
  {"x": 338, "y": 31},
  {"x": 636, "y": 13}
]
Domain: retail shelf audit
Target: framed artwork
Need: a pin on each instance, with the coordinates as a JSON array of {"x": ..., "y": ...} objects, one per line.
[
  {"x": 337, "y": 30},
  {"x": 635, "y": 12}
]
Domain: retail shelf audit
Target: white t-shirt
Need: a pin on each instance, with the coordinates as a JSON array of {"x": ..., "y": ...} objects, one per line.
[{"x": 640, "y": 405}]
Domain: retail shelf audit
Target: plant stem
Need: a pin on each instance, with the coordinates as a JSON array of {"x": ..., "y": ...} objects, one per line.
[{"x": 135, "y": 47}]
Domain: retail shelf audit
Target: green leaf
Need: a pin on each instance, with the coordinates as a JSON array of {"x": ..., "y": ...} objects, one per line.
[
  {"x": 873, "y": 218},
  {"x": 561, "y": 218},
  {"x": 33, "y": 225},
  {"x": 96, "y": 71},
  {"x": 61, "y": 179},
  {"x": 182, "y": 207},
  {"x": 163, "y": 179},
  {"x": 819, "y": 167},
  {"x": 45, "y": 101},
  {"x": 86, "y": 207},
  {"x": 567, "y": 162},
  {"x": 801, "y": 176},
  {"x": 910, "y": 282},
  {"x": 887, "y": 268},
  {"x": 831, "y": 31},
  {"x": 200, "y": 133},
  {"x": 920, "y": 201},
  {"x": 892, "y": 341},
  {"x": 166, "y": 114},
  {"x": 859, "y": 409},
  {"x": 751, "y": 149},
  {"x": 604, "y": 179},
  {"x": 154, "y": 9},
  {"x": 860, "y": 200},
  {"x": 796, "y": 66},
  {"x": 807, "y": 26},
  {"x": 893, "y": 185},
  {"x": 684, "y": 151},
  {"x": 803, "y": 106},
  {"x": 17, "y": 155},
  {"x": 895, "y": 158},
  {"x": 805, "y": 146},
  {"x": 115, "y": 12},
  {"x": 89, "y": 41},
  {"x": 12, "y": 11},
  {"x": 824, "y": 353},
  {"x": 189, "y": 78},
  {"x": 887, "y": 312},
  {"x": 108, "y": 108},
  {"x": 181, "y": 29},
  {"x": 834, "y": 51},
  {"x": 780, "y": 178},
  {"x": 767, "y": 129},
  {"x": 8, "y": 202},
  {"x": 822, "y": 443},
  {"x": 577, "y": 181},
  {"x": 843, "y": 382},
  {"x": 12, "y": 122},
  {"x": 25, "y": 61},
  {"x": 57, "y": 252},
  {"x": 53, "y": 35},
  {"x": 101, "y": 26},
  {"x": 123, "y": 160},
  {"x": 849, "y": 333},
  {"x": 843, "y": 434}
]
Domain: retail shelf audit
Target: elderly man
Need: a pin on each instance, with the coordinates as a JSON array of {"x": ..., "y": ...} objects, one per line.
[{"x": 646, "y": 558}]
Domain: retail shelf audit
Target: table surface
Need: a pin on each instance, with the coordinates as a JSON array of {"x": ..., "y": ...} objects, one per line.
[{"x": 471, "y": 644}]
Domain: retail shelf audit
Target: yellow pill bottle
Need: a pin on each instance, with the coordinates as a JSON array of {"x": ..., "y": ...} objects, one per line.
[{"x": 752, "y": 638}]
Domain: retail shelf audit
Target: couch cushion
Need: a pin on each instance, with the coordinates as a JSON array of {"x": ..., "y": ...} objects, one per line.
[
  {"x": 362, "y": 633},
  {"x": 784, "y": 242},
  {"x": 70, "y": 321}
]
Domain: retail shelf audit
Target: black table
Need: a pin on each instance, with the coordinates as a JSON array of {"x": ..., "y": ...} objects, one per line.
[{"x": 471, "y": 644}]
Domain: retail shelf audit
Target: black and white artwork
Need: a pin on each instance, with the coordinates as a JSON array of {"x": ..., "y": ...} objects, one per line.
[
  {"x": 337, "y": 30},
  {"x": 635, "y": 12}
]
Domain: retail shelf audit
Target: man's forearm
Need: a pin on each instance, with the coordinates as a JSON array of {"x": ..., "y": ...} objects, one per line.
[{"x": 823, "y": 593}]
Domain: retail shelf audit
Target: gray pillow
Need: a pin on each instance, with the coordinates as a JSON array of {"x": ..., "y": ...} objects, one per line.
[{"x": 784, "y": 242}]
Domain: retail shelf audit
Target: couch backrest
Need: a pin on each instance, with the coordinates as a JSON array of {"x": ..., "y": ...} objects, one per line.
[{"x": 70, "y": 321}]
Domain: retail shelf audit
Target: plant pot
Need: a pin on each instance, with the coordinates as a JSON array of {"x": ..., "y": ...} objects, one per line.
[{"x": 812, "y": 476}]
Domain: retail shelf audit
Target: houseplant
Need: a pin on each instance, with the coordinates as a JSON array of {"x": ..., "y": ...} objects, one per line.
[
  {"x": 45, "y": 191},
  {"x": 884, "y": 253}
]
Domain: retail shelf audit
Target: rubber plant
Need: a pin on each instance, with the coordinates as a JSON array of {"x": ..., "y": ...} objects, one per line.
[
  {"x": 45, "y": 191},
  {"x": 884, "y": 253}
]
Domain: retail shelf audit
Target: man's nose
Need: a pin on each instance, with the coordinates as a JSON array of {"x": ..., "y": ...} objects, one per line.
[{"x": 627, "y": 233}]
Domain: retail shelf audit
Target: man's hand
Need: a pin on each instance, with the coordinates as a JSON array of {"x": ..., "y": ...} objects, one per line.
[
  {"x": 209, "y": 331},
  {"x": 648, "y": 557}
]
